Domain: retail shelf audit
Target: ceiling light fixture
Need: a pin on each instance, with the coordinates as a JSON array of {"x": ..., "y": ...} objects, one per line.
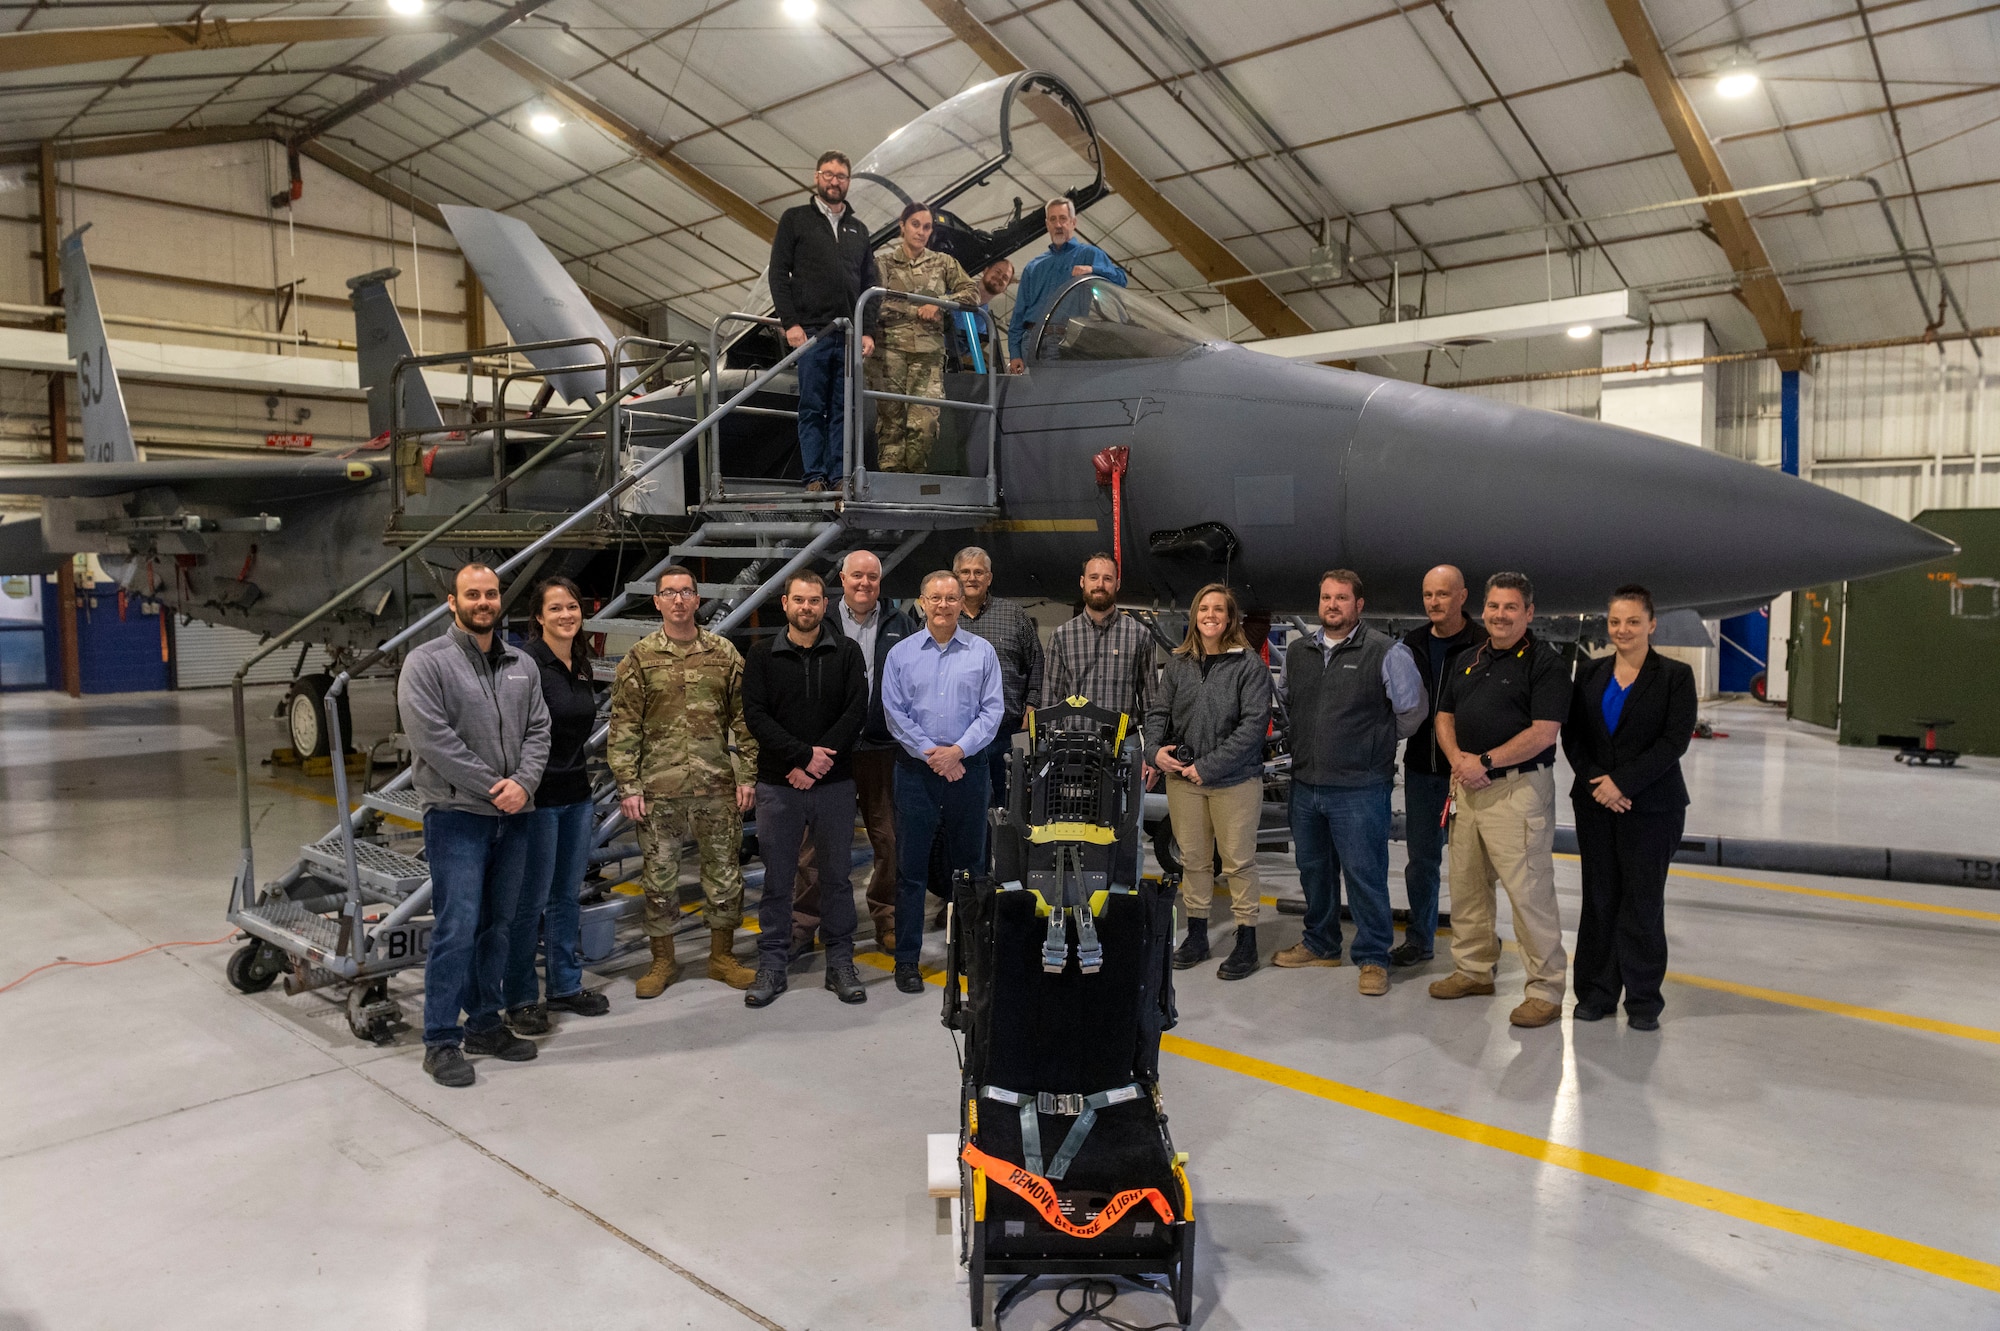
[
  {"x": 1581, "y": 331},
  {"x": 543, "y": 122},
  {"x": 407, "y": 8},
  {"x": 1740, "y": 83},
  {"x": 799, "y": 11}
]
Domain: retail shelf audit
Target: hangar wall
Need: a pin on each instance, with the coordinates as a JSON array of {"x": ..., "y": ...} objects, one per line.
[{"x": 189, "y": 235}]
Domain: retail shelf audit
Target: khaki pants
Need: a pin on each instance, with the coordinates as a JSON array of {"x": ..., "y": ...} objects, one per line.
[
  {"x": 1207, "y": 820},
  {"x": 1506, "y": 834}
]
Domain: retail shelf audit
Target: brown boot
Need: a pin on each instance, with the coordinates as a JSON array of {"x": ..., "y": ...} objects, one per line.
[
  {"x": 722, "y": 962},
  {"x": 1460, "y": 985},
  {"x": 1534, "y": 1012},
  {"x": 664, "y": 972}
]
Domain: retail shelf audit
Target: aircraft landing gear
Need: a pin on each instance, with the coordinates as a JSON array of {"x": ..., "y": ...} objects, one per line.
[{"x": 305, "y": 716}]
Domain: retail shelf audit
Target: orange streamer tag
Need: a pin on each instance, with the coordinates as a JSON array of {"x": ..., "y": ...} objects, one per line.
[{"x": 1039, "y": 1193}]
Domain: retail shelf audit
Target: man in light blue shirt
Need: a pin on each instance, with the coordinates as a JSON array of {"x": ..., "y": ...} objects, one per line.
[
  {"x": 942, "y": 700},
  {"x": 1065, "y": 260}
]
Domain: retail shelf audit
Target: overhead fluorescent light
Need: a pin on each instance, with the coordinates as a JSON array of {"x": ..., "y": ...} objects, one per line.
[
  {"x": 544, "y": 122},
  {"x": 1741, "y": 83}
]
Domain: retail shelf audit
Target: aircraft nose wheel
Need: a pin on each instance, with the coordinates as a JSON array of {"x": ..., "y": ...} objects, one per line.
[
  {"x": 372, "y": 1015},
  {"x": 255, "y": 966},
  {"x": 305, "y": 716}
]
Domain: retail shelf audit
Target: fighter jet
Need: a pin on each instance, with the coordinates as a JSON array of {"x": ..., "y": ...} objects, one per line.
[{"x": 1235, "y": 466}]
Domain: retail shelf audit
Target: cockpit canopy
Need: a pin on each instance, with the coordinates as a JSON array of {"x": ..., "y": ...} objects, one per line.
[
  {"x": 1095, "y": 319},
  {"x": 988, "y": 161}
]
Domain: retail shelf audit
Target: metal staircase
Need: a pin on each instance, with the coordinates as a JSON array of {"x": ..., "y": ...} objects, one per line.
[{"x": 352, "y": 908}]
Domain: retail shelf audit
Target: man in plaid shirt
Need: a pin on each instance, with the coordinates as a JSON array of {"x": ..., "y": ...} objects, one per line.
[
  {"x": 1007, "y": 626},
  {"x": 1103, "y": 654}
]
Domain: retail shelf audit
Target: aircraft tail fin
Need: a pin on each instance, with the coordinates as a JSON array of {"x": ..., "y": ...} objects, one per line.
[
  {"x": 107, "y": 430},
  {"x": 537, "y": 298},
  {"x": 379, "y": 336}
]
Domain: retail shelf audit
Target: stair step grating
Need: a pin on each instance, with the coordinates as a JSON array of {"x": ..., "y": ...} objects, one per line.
[
  {"x": 404, "y": 803},
  {"x": 392, "y": 875}
]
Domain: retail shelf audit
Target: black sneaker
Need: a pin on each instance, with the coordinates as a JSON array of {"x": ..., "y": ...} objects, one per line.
[
  {"x": 1194, "y": 948},
  {"x": 529, "y": 1019},
  {"x": 1591, "y": 1012},
  {"x": 1409, "y": 954},
  {"x": 500, "y": 1042},
  {"x": 845, "y": 981},
  {"x": 584, "y": 1002},
  {"x": 1242, "y": 958},
  {"x": 909, "y": 979},
  {"x": 447, "y": 1065},
  {"x": 1639, "y": 1023},
  {"x": 764, "y": 990}
]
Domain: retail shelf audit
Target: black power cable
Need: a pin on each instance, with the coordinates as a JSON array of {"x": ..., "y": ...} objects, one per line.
[{"x": 1094, "y": 1296}]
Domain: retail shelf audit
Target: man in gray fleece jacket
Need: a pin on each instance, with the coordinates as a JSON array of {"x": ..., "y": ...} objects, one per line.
[{"x": 478, "y": 728}]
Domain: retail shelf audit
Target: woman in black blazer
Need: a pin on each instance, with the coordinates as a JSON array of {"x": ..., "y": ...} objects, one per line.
[{"x": 1631, "y": 717}]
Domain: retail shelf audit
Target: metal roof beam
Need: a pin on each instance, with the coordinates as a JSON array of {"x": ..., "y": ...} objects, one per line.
[
  {"x": 1781, "y": 325},
  {"x": 643, "y": 145},
  {"x": 416, "y": 70},
  {"x": 121, "y": 145},
  {"x": 49, "y": 48},
  {"x": 1262, "y": 306}
]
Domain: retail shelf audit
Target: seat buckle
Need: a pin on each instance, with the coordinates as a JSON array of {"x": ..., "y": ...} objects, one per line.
[
  {"x": 1068, "y": 1106},
  {"x": 1055, "y": 945}
]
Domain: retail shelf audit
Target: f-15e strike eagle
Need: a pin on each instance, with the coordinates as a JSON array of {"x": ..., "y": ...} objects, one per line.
[{"x": 1240, "y": 465}]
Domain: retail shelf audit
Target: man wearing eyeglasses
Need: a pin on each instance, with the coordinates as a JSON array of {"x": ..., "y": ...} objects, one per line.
[
  {"x": 685, "y": 763},
  {"x": 821, "y": 262},
  {"x": 941, "y": 696}
]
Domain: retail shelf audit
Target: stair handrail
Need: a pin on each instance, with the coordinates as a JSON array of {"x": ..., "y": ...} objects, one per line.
[
  {"x": 246, "y": 872},
  {"x": 859, "y": 393}
]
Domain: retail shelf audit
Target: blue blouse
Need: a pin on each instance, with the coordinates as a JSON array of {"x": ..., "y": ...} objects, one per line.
[{"x": 1614, "y": 701}]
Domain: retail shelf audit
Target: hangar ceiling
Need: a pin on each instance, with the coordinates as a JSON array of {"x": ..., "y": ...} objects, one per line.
[{"x": 1401, "y": 131}]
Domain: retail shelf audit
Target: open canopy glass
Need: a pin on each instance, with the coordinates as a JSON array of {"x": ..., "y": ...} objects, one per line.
[{"x": 1095, "y": 319}]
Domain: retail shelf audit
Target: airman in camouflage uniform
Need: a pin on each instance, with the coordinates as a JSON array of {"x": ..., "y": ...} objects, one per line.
[
  {"x": 909, "y": 357},
  {"x": 676, "y": 714}
]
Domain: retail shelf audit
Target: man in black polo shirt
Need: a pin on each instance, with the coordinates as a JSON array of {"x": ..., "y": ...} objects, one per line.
[
  {"x": 1503, "y": 704},
  {"x": 1434, "y": 646}
]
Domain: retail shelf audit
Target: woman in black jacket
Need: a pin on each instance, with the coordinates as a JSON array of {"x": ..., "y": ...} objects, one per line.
[
  {"x": 1631, "y": 717},
  {"x": 559, "y": 846}
]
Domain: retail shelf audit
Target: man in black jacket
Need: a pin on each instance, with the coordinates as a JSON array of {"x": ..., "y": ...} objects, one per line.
[
  {"x": 861, "y": 616},
  {"x": 805, "y": 694},
  {"x": 1426, "y": 775},
  {"x": 821, "y": 262}
]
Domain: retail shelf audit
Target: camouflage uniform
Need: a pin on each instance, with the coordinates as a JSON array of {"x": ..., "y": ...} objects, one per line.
[
  {"x": 676, "y": 710},
  {"x": 909, "y": 355}
]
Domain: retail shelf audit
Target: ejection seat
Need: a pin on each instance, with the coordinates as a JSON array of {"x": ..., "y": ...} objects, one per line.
[{"x": 1066, "y": 1167}]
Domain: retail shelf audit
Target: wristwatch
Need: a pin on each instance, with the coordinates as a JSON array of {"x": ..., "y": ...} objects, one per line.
[{"x": 1486, "y": 761}]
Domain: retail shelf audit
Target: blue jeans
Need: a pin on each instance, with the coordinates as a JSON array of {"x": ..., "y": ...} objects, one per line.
[
  {"x": 1424, "y": 798},
  {"x": 926, "y": 802},
  {"x": 558, "y": 853},
  {"x": 823, "y": 407},
  {"x": 1336, "y": 830},
  {"x": 477, "y": 863}
]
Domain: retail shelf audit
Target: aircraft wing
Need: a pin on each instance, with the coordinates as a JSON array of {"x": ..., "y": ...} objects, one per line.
[{"x": 224, "y": 480}]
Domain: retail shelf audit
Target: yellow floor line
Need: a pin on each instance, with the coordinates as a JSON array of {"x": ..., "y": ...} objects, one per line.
[
  {"x": 1962, "y": 912},
  {"x": 1886, "y": 1247},
  {"x": 1836, "y": 1233},
  {"x": 1881, "y": 1016}
]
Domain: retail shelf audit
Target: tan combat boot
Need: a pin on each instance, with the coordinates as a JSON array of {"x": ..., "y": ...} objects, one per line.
[
  {"x": 664, "y": 972},
  {"x": 722, "y": 962}
]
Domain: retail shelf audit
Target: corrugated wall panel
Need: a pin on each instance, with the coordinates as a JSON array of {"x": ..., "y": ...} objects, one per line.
[{"x": 209, "y": 655}]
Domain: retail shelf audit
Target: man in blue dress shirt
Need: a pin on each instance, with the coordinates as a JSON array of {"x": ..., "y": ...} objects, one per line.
[
  {"x": 942, "y": 699},
  {"x": 1065, "y": 260}
]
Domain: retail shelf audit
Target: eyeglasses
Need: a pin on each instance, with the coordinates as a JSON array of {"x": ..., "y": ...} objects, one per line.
[
  {"x": 833, "y": 175},
  {"x": 677, "y": 594}
]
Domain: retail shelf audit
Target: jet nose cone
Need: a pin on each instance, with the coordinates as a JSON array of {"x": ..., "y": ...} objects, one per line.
[{"x": 1436, "y": 476}]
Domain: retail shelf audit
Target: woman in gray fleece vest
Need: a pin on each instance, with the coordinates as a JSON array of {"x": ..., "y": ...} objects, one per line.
[{"x": 1206, "y": 727}]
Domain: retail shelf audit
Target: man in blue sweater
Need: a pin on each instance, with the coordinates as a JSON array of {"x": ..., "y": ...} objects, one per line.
[{"x": 1065, "y": 260}]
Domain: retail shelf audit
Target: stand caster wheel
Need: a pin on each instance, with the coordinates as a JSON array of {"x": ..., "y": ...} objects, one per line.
[
  {"x": 372, "y": 1015},
  {"x": 255, "y": 966}
]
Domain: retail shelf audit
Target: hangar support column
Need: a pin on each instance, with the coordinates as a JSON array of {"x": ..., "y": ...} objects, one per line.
[{"x": 72, "y": 668}]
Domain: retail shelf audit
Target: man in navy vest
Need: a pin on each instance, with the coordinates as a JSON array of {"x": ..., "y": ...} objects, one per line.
[{"x": 1351, "y": 693}]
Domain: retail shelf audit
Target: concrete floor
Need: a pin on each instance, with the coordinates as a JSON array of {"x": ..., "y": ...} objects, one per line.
[{"x": 1807, "y": 1142}]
